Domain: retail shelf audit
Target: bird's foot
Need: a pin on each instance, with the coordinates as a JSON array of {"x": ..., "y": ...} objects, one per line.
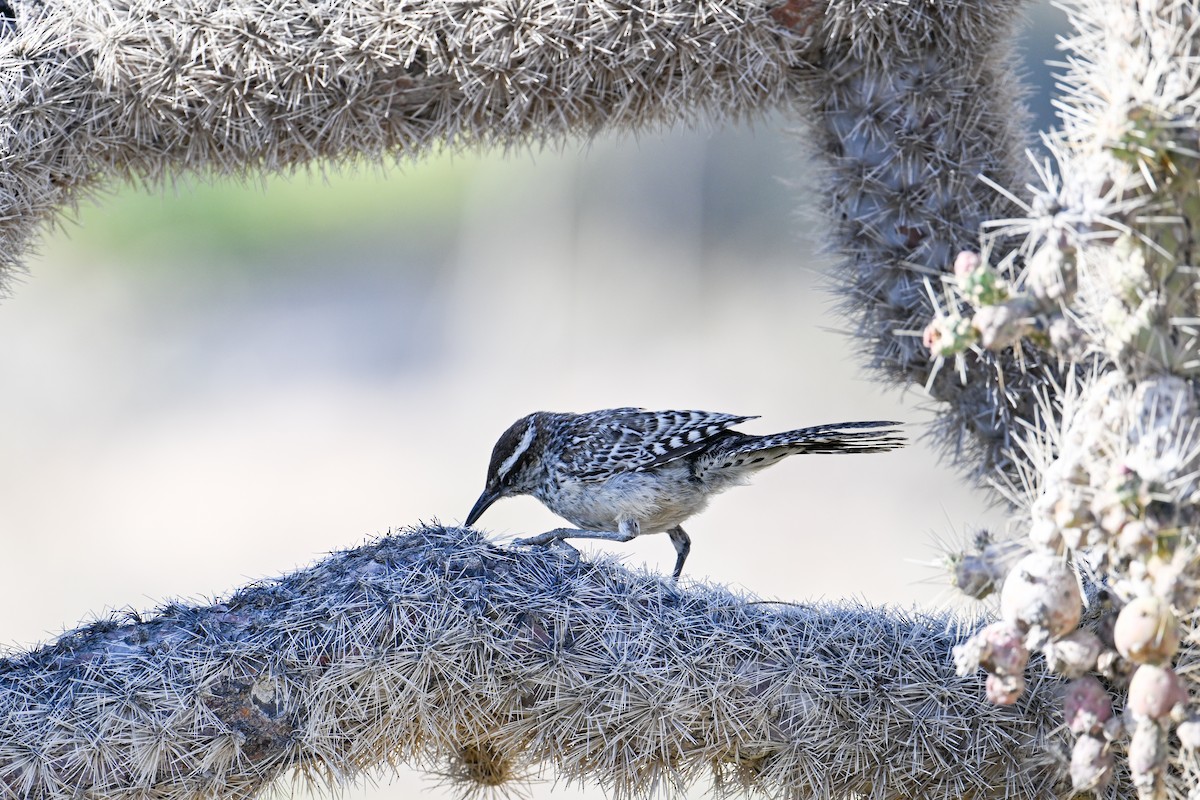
[
  {"x": 543, "y": 539},
  {"x": 550, "y": 539}
]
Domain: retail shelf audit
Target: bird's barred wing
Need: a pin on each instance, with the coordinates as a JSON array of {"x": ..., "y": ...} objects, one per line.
[{"x": 633, "y": 440}]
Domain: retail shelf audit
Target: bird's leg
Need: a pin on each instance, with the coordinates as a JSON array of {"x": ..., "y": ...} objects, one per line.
[
  {"x": 627, "y": 530},
  {"x": 683, "y": 546}
]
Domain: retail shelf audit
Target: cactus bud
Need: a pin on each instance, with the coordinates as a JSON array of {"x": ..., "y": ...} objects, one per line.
[{"x": 947, "y": 336}]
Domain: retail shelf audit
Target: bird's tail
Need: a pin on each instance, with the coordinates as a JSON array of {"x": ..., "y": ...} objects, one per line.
[
  {"x": 752, "y": 453},
  {"x": 842, "y": 437}
]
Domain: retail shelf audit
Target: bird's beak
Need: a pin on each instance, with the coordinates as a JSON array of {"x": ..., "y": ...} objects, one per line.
[{"x": 488, "y": 497}]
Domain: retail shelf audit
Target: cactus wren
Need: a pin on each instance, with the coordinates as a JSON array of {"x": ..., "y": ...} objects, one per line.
[{"x": 622, "y": 472}]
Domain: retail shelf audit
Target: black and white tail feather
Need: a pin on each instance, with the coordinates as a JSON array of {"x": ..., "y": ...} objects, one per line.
[
  {"x": 762, "y": 451},
  {"x": 622, "y": 472}
]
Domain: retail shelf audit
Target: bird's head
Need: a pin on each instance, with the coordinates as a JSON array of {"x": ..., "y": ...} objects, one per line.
[{"x": 515, "y": 467}]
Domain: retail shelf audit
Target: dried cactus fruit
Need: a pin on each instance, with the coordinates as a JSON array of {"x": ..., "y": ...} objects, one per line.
[
  {"x": 1148, "y": 752},
  {"x": 1073, "y": 654},
  {"x": 1091, "y": 764},
  {"x": 1147, "y": 631},
  {"x": 1154, "y": 693},
  {"x": 1042, "y": 592},
  {"x": 1086, "y": 706},
  {"x": 998, "y": 647}
]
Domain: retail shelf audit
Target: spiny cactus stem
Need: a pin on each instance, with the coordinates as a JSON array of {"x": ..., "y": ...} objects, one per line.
[
  {"x": 97, "y": 89},
  {"x": 436, "y": 647},
  {"x": 918, "y": 116}
]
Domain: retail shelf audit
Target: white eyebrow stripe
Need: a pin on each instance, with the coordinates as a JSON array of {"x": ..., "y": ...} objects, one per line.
[{"x": 522, "y": 446}]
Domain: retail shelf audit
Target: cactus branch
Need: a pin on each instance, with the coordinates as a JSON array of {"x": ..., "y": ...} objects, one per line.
[
  {"x": 142, "y": 91},
  {"x": 437, "y": 648},
  {"x": 914, "y": 107}
]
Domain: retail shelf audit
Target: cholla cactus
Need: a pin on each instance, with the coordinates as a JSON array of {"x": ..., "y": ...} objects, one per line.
[
  {"x": 1063, "y": 343},
  {"x": 1106, "y": 276}
]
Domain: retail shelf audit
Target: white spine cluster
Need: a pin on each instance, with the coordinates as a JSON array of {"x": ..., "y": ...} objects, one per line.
[{"x": 439, "y": 649}]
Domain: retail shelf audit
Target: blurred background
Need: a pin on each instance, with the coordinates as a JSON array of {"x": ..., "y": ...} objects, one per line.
[{"x": 222, "y": 383}]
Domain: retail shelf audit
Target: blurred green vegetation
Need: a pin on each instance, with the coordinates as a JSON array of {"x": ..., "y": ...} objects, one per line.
[{"x": 223, "y": 220}]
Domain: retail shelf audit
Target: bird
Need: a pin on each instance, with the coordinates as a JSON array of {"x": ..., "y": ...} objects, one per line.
[{"x": 620, "y": 473}]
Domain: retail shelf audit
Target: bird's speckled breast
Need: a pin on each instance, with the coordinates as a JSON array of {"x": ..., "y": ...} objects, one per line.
[{"x": 658, "y": 499}]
